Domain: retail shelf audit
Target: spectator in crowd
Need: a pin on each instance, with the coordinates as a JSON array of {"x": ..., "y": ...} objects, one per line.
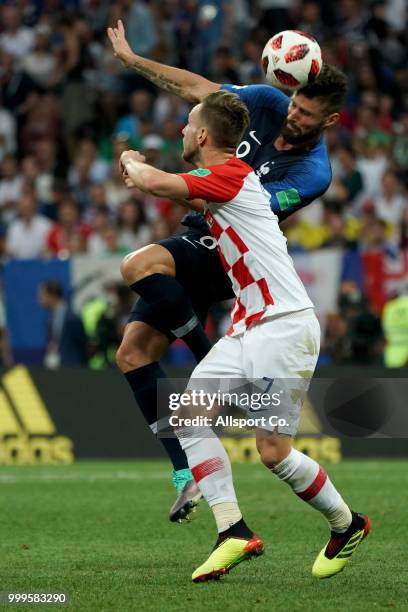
[
  {"x": 8, "y": 136},
  {"x": 116, "y": 190},
  {"x": 224, "y": 69},
  {"x": 311, "y": 19},
  {"x": 96, "y": 241},
  {"x": 27, "y": 234},
  {"x": 41, "y": 122},
  {"x": 41, "y": 62},
  {"x": 389, "y": 205},
  {"x": 111, "y": 244},
  {"x": 403, "y": 237},
  {"x": 354, "y": 333},
  {"x": 349, "y": 183},
  {"x": 15, "y": 39},
  {"x": 252, "y": 51},
  {"x": 336, "y": 229},
  {"x": 50, "y": 167},
  {"x": 19, "y": 93},
  {"x": 169, "y": 108},
  {"x": 97, "y": 202},
  {"x": 276, "y": 14},
  {"x": 141, "y": 25},
  {"x": 372, "y": 165},
  {"x": 74, "y": 60},
  {"x": 111, "y": 323},
  {"x": 365, "y": 335},
  {"x": 400, "y": 150},
  {"x": 79, "y": 181},
  {"x": 69, "y": 234},
  {"x": 137, "y": 123},
  {"x": 11, "y": 184},
  {"x": 134, "y": 231},
  {"x": 373, "y": 236},
  {"x": 151, "y": 147},
  {"x": 395, "y": 325},
  {"x": 335, "y": 347},
  {"x": 99, "y": 169},
  {"x": 66, "y": 338}
]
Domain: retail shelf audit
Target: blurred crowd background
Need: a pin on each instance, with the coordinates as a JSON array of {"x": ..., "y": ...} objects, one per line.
[{"x": 68, "y": 109}]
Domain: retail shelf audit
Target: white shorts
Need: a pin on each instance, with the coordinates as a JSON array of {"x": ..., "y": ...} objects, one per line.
[{"x": 277, "y": 355}]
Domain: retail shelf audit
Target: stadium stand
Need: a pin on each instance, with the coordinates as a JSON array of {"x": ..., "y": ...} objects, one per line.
[{"x": 68, "y": 109}]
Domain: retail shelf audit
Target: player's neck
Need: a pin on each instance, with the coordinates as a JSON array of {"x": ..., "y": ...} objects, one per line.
[
  {"x": 214, "y": 157},
  {"x": 280, "y": 144}
]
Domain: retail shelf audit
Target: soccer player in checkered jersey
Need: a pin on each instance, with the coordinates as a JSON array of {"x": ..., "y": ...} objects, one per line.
[
  {"x": 179, "y": 278},
  {"x": 274, "y": 332}
]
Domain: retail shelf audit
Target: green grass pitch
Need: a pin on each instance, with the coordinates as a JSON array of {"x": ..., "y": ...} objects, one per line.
[{"x": 99, "y": 532}]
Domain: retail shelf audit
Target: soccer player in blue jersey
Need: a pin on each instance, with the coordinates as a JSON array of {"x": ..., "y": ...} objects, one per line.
[{"x": 179, "y": 278}]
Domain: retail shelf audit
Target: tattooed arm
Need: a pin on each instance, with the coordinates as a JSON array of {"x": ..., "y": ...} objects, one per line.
[{"x": 189, "y": 86}]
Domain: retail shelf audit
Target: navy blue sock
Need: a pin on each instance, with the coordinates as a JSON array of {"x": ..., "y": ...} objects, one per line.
[
  {"x": 143, "y": 382},
  {"x": 170, "y": 300}
]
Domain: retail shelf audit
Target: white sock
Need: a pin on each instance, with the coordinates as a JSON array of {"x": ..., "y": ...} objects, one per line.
[
  {"x": 209, "y": 464},
  {"x": 310, "y": 482}
]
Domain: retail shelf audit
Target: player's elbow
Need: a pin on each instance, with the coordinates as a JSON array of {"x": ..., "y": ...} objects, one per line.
[{"x": 203, "y": 89}]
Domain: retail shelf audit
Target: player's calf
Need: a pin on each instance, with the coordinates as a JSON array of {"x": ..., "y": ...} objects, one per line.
[
  {"x": 141, "y": 344},
  {"x": 138, "y": 357}
]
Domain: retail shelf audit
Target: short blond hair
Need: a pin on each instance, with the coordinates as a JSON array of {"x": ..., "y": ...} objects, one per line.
[{"x": 226, "y": 117}]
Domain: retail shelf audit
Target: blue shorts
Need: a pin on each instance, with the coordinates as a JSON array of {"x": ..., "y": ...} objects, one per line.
[{"x": 198, "y": 269}]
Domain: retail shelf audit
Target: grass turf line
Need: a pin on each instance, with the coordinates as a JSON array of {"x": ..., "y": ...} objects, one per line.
[{"x": 98, "y": 531}]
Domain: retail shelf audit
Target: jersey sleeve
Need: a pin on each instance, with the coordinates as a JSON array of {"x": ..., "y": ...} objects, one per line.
[
  {"x": 260, "y": 96},
  {"x": 219, "y": 183},
  {"x": 299, "y": 188}
]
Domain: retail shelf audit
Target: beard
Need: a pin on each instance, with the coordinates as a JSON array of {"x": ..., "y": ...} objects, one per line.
[{"x": 293, "y": 135}]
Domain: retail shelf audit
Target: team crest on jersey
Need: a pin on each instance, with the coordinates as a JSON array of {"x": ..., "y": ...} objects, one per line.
[{"x": 200, "y": 172}]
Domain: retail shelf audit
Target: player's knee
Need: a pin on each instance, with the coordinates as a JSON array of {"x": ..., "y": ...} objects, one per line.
[
  {"x": 152, "y": 259},
  {"x": 133, "y": 267},
  {"x": 272, "y": 452}
]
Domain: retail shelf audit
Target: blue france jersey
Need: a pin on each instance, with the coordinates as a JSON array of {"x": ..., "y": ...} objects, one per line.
[{"x": 293, "y": 178}]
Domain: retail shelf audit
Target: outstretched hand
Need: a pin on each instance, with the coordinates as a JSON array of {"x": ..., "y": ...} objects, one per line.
[
  {"x": 124, "y": 158},
  {"x": 120, "y": 45},
  {"x": 132, "y": 156}
]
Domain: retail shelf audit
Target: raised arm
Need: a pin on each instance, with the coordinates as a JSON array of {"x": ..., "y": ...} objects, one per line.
[
  {"x": 189, "y": 86},
  {"x": 137, "y": 173}
]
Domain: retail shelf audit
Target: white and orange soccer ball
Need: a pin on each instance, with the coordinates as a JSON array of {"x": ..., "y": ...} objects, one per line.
[{"x": 291, "y": 59}]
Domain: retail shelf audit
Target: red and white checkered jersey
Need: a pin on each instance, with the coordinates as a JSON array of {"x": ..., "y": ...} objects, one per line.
[{"x": 250, "y": 243}]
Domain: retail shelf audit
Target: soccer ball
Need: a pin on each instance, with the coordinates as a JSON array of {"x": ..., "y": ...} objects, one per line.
[{"x": 291, "y": 59}]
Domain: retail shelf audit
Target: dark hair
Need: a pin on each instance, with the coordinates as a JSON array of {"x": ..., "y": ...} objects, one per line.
[
  {"x": 226, "y": 117},
  {"x": 331, "y": 86},
  {"x": 53, "y": 287}
]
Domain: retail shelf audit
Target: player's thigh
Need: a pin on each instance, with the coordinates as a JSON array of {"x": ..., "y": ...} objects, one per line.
[
  {"x": 151, "y": 259},
  {"x": 141, "y": 344},
  {"x": 190, "y": 254},
  {"x": 283, "y": 347},
  {"x": 280, "y": 355},
  {"x": 193, "y": 259},
  {"x": 224, "y": 361},
  {"x": 198, "y": 265}
]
